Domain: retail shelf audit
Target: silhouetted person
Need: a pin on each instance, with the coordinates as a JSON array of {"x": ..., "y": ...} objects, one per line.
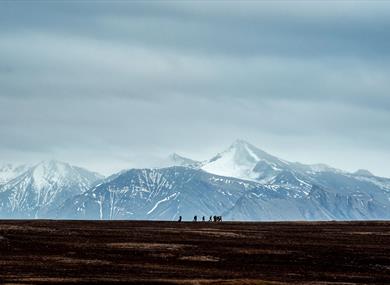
[
  {"x": 203, "y": 219},
  {"x": 211, "y": 219},
  {"x": 179, "y": 219},
  {"x": 215, "y": 218},
  {"x": 195, "y": 218}
]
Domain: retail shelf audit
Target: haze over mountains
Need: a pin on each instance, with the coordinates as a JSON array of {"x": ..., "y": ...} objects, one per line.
[{"x": 240, "y": 183}]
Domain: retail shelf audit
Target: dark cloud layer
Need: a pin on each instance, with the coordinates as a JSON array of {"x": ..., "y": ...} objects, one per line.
[{"x": 110, "y": 85}]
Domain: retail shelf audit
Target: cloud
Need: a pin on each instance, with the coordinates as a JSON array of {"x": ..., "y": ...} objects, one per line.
[{"x": 111, "y": 85}]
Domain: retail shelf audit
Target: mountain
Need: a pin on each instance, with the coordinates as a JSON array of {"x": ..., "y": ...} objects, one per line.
[
  {"x": 240, "y": 183},
  {"x": 162, "y": 194},
  {"x": 363, "y": 172},
  {"x": 177, "y": 160},
  {"x": 155, "y": 194},
  {"x": 42, "y": 188},
  {"x": 9, "y": 171},
  {"x": 244, "y": 161},
  {"x": 167, "y": 193}
]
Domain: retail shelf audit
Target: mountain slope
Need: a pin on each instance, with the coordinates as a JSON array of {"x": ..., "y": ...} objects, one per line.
[
  {"x": 43, "y": 188},
  {"x": 156, "y": 194}
]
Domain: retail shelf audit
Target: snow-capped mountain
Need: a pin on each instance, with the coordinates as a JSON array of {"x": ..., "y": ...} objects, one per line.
[
  {"x": 9, "y": 171},
  {"x": 240, "y": 183},
  {"x": 175, "y": 159},
  {"x": 43, "y": 187},
  {"x": 363, "y": 172},
  {"x": 244, "y": 161},
  {"x": 155, "y": 194},
  {"x": 167, "y": 193}
]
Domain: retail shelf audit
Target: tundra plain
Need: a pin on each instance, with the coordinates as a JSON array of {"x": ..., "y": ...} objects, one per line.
[{"x": 152, "y": 252}]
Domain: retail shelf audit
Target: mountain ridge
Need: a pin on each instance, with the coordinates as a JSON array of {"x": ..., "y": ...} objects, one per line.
[{"x": 241, "y": 182}]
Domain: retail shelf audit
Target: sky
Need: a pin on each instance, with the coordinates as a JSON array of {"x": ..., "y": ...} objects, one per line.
[{"x": 112, "y": 85}]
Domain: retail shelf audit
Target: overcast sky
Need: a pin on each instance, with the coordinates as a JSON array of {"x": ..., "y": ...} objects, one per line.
[{"x": 113, "y": 85}]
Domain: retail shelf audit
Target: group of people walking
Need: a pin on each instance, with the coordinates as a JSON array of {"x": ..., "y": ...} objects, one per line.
[{"x": 211, "y": 219}]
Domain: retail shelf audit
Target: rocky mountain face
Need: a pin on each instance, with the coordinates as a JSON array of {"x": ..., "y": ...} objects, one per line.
[{"x": 240, "y": 183}]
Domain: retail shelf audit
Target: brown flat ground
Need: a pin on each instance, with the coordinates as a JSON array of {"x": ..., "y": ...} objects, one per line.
[{"x": 48, "y": 252}]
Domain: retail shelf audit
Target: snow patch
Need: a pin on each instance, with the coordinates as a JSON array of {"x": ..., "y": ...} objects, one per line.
[{"x": 161, "y": 201}]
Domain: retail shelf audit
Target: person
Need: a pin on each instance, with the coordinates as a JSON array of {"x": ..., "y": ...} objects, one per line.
[
  {"x": 179, "y": 219},
  {"x": 215, "y": 218},
  {"x": 203, "y": 219},
  {"x": 211, "y": 219},
  {"x": 195, "y": 218}
]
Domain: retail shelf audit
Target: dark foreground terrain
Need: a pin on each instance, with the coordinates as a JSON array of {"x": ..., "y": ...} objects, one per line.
[{"x": 33, "y": 252}]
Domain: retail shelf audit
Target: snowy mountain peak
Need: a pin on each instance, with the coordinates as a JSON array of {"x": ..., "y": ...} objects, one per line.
[
  {"x": 240, "y": 142},
  {"x": 240, "y": 161},
  {"x": 175, "y": 159},
  {"x": 363, "y": 172},
  {"x": 49, "y": 172},
  {"x": 243, "y": 152},
  {"x": 53, "y": 165},
  {"x": 244, "y": 148},
  {"x": 43, "y": 187}
]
